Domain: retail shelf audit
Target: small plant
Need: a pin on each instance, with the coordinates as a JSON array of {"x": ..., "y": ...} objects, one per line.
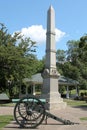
[{"x": 83, "y": 119}]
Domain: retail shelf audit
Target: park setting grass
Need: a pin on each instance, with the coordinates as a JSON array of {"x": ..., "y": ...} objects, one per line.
[
  {"x": 71, "y": 102},
  {"x": 4, "y": 120},
  {"x": 7, "y": 105},
  {"x": 83, "y": 119},
  {"x": 75, "y": 103}
]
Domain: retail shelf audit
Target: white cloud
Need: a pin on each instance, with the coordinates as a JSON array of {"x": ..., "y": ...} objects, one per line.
[
  {"x": 38, "y": 33},
  {"x": 59, "y": 34},
  {"x": 35, "y": 32}
]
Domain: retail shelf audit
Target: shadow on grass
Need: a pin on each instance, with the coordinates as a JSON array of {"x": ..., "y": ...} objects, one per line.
[
  {"x": 83, "y": 107},
  {"x": 14, "y": 125}
]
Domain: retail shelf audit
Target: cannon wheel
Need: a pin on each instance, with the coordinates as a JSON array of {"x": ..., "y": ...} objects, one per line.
[{"x": 29, "y": 112}]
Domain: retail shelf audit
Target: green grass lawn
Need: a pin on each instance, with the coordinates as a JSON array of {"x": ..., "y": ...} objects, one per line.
[
  {"x": 75, "y": 102},
  {"x": 7, "y": 105},
  {"x": 4, "y": 120},
  {"x": 83, "y": 119}
]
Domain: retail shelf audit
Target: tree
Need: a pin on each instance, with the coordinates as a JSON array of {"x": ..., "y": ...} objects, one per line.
[
  {"x": 16, "y": 58},
  {"x": 83, "y": 60},
  {"x": 61, "y": 56},
  {"x": 61, "y": 59},
  {"x": 83, "y": 48},
  {"x": 75, "y": 66},
  {"x": 73, "y": 51},
  {"x": 73, "y": 59}
]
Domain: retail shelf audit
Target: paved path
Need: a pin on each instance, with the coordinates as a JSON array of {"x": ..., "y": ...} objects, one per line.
[{"x": 71, "y": 113}]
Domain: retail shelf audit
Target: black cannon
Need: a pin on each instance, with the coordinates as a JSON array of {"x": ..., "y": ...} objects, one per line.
[{"x": 30, "y": 112}]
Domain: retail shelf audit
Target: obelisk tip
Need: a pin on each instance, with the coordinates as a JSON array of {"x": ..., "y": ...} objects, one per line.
[{"x": 51, "y": 7}]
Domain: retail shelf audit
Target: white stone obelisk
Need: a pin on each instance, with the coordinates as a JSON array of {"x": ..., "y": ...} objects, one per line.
[{"x": 50, "y": 74}]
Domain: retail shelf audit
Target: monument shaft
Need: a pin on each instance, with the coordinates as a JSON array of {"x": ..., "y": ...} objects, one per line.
[
  {"x": 50, "y": 74},
  {"x": 50, "y": 40}
]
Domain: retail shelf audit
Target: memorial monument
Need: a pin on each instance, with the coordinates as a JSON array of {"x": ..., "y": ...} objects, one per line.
[{"x": 50, "y": 74}]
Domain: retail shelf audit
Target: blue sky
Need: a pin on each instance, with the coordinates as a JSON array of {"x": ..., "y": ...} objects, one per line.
[{"x": 30, "y": 17}]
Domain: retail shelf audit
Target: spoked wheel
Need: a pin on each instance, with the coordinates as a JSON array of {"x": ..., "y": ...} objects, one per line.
[{"x": 29, "y": 112}]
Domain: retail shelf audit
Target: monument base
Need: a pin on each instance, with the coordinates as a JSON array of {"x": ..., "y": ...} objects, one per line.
[{"x": 54, "y": 101}]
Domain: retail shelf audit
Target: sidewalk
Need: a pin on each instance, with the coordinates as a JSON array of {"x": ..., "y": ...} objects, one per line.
[{"x": 70, "y": 113}]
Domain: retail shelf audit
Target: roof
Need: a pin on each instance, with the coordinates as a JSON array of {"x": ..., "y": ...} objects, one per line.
[
  {"x": 3, "y": 96},
  {"x": 67, "y": 81},
  {"x": 37, "y": 79}
]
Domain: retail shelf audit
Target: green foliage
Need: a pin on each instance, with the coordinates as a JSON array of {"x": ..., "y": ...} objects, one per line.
[
  {"x": 16, "y": 59},
  {"x": 61, "y": 56},
  {"x": 75, "y": 64},
  {"x": 61, "y": 59},
  {"x": 62, "y": 89},
  {"x": 72, "y": 52}
]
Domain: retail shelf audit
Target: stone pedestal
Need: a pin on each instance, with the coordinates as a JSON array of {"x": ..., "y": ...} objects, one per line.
[
  {"x": 54, "y": 101},
  {"x": 50, "y": 91}
]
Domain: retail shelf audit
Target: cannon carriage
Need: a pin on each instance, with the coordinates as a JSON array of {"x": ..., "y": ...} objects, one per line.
[{"x": 29, "y": 112}]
